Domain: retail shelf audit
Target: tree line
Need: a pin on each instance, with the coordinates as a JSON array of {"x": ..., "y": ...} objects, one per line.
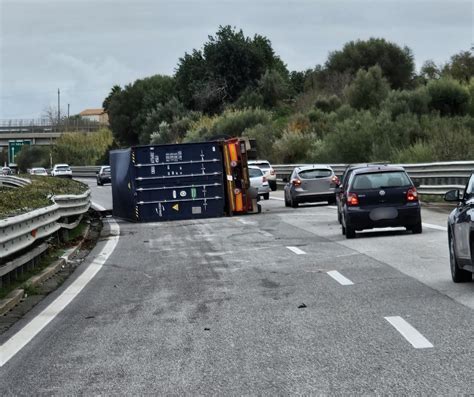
[{"x": 365, "y": 103}]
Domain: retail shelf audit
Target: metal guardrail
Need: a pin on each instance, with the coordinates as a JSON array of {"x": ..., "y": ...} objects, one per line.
[
  {"x": 434, "y": 178},
  {"x": 85, "y": 172},
  {"x": 13, "y": 181},
  {"x": 20, "y": 232}
]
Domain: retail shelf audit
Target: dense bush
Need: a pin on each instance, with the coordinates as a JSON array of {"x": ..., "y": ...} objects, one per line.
[
  {"x": 448, "y": 97},
  {"x": 33, "y": 156},
  {"x": 82, "y": 148},
  {"x": 368, "y": 89}
]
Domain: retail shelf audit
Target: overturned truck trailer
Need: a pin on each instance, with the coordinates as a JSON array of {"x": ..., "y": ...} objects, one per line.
[{"x": 181, "y": 181}]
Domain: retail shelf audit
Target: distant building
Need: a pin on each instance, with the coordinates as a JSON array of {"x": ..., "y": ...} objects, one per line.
[{"x": 97, "y": 115}]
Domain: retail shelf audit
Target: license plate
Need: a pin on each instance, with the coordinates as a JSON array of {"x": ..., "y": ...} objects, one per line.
[{"x": 383, "y": 213}]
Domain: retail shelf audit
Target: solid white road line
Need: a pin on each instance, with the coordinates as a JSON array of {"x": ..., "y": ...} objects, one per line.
[
  {"x": 296, "y": 250},
  {"x": 417, "y": 340},
  {"x": 340, "y": 278},
  {"x": 436, "y": 227},
  {"x": 13, "y": 345}
]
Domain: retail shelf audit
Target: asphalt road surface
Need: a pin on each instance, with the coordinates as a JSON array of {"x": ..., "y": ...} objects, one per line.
[{"x": 274, "y": 303}]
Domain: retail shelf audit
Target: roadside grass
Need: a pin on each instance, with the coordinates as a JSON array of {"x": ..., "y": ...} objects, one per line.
[{"x": 16, "y": 201}]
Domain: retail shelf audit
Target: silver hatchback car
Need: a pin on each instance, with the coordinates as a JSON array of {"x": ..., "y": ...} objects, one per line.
[{"x": 309, "y": 184}]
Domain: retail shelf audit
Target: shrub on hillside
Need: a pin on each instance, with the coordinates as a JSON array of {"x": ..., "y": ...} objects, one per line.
[
  {"x": 368, "y": 89},
  {"x": 448, "y": 97}
]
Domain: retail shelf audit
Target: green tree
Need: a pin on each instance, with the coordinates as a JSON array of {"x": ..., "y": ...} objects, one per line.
[
  {"x": 448, "y": 97},
  {"x": 400, "y": 102},
  {"x": 128, "y": 108},
  {"x": 167, "y": 112},
  {"x": 368, "y": 89},
  {"x": 461, "y": 66},
  {"x": 396, "y": 63},
  {"x": 273, "y": 88},
  {"x": 430, "y": 71},
  {"x": 228, "y": 63},
  {"x": 33, "y": 156},
  {"x": 116, "y": 89}
]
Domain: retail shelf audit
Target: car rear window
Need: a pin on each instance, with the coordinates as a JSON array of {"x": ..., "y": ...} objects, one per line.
[
  {"x": 254, "y": 172},
  {"x": 315, "y": 173},
  {"x": 378, "y": 180},
  {"x": 62, "y": 168},
  {"x": 263, "y": 164},
  {"x": 107, "y": 169}
]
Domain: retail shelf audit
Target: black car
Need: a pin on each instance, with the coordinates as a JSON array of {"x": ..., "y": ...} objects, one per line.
[
  {"x": 379, "y": 196},
  {"x": 103, "y": 175},
  {"x": 461, "y": 233},
  {"x": 345, "y": 181}
]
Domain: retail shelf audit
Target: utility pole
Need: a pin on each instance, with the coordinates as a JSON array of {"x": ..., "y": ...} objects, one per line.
[
  {"x": 68, "y": 116},
  {"x": 59, "y": 107}
]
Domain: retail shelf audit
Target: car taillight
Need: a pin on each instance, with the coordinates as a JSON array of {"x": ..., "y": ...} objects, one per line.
[
  {"x": 412, "y": 194},
  {"x": 352, "y": 199},
  {"x": 272, "y": 172},
  {"x": 296, "y": 182},
  {"x": 336, "y": 180}
]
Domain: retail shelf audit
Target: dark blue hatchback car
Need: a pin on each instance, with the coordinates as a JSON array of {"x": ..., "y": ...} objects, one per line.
[{"x": 381, "y": 196}]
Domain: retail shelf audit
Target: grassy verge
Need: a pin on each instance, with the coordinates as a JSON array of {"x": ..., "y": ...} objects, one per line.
[{"x": 37, "y": 195}]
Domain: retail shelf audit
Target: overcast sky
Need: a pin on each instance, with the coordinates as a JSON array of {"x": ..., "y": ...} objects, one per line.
[{"x": 85, "y": 47}]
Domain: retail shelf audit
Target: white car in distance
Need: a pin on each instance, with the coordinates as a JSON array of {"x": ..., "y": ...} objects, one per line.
[
  {"x": 259, "y": 181},
  {"x": 268, "y": 172},
  {"x": 62, "y": 170},
  {"x": 38, "y": 171}
]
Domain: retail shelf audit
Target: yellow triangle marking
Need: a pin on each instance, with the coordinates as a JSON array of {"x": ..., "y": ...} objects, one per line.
[{"x": 176, "y": 207}]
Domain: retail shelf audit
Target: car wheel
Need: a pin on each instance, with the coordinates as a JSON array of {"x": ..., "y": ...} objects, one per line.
[
  {"x": 99, "y": 183},
  {"x": 273, "y": 186},
  {"x": 417, "y": 229},
  {"x": 294, "y": 204},
  {"x": 266, "y": 196},
  {"x": 458, "y": 275},
  {"x": 350, "y": 232}
]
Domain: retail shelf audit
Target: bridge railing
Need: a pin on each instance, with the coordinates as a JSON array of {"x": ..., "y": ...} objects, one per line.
[{"x": 47, "y": 125}]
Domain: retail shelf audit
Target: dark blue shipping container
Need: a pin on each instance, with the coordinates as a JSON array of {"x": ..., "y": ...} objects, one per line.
[{"x": 168, "y": 182}]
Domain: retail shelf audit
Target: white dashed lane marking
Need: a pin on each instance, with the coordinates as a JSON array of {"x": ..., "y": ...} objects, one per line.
[
  {"x": 411, "y": 334},
  {"x": 340, "y": 278},
  {"x": 296, "y": 250}
]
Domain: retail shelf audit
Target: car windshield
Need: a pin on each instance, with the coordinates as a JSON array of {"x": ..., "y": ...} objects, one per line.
[
  {"x": 255, "y": 172},
  {"x": 315, "y": 173},
  {"x": 379, "y": 180}
]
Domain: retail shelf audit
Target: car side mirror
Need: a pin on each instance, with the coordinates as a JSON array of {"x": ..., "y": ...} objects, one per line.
[
  {"x": 417, "y": 184},
  {"x": 453, "y": 196}
]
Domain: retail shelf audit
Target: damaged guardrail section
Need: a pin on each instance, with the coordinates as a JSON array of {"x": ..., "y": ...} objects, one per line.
[{"x": 19, "y": 232}]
